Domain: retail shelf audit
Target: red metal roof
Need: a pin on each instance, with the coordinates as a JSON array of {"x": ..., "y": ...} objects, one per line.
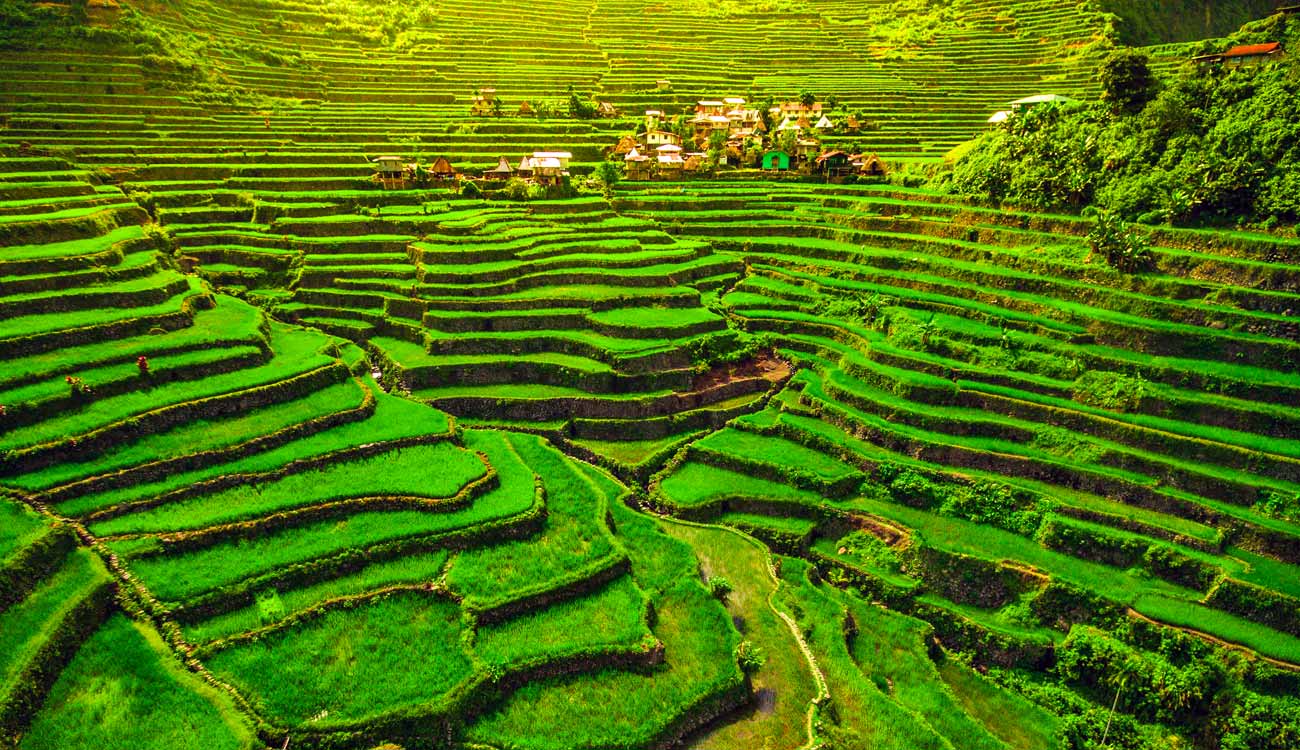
[{"x": 1253, "y": 50}]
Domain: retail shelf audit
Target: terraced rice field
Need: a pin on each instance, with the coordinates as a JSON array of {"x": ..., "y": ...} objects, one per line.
[{"x": 290, "y": 458}]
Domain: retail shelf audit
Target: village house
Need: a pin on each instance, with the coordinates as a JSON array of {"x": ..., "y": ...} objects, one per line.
[
  {"x": 657, "y": 138},
  {"x": 825, "y": 125},
  {"x": 670, "y": 162},
  {"x": 797, "y": 109},
  {"x": 391, "y": 171},
  {"x": 550, "y": 167},
  {"x": 525, "y": 169},
  {"x": 1244, "y": 56},
  {"x": 1029, "y": 102},
  {"x": 442, "y": 169},
  {"x": 776, "y": 161},
  {"x": 637, "y": 166},
  {"x": 484, "y": 103},
  {"x": 807, "y": 149},
  {"x": 706, "y": 125},
  {"x": 868, "y": 165},
  {"x": 625, "y": 145},
  {"x": 503, "y": 171},
  {"x": 606, "y": 110},
  {"x": 653, "y": 118},
  {"x": 834, "y": 164},
  {"x": 789, "y": 124},
  {"x": 710, "y": 107}
]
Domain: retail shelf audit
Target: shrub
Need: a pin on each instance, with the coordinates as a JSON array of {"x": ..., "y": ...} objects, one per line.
[
  {"x": 1122, "y": 247},
  {"x": 749, "y": 657},
  {"x": 1111, "y": 390},
  {"x": 470, "y": 189},
  {"x": 515, "y": 190},
  {"x": 720, "y": 587}
]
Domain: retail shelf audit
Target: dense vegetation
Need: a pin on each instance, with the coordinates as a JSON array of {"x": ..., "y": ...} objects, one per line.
[
  {"x": 1207, "y": 146},
  {"x": 292, "y": 455}
]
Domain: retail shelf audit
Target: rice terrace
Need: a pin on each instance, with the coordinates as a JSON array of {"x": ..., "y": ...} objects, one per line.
[{"x": 620, "y": 374}]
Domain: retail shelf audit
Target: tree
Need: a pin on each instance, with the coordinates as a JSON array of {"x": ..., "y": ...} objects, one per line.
[
  {"x": 580, "y": 108},
  {"x": 1127, "y": 84},
  {"x": 720, "y": 587},
  {"x": 607, "y": 173},
  {"x": 717, "y": 152},
  {"x": 807, "y": 98}
]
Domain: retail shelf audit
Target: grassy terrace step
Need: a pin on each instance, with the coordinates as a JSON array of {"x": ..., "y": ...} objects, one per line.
[
  {"x": 200, "y": 435},
  {"x": 228, "y": 323},
  {"x": 424, "y": 475},
  {"x": 298, "y": 353},
  {"x": 25, "y": 626},
  {"x": 515, "y": 479},
  {"x": 126, "y": 665},
  {"x": 393, "y": 420},
  {"x": 31, "y": 334},
  {"x": 699, "y": 672}
]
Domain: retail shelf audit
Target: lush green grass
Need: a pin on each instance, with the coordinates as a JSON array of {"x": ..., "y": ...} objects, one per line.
[
  {"x": 411, "y": 569},
  {"x": 432, "y": 472},
  {"x": 19, "y": 525},
  {"x": 203, "y": 434},
  {"x": 867, "y": 715},
  {"x": 1008, "y": 716},
  {"x": 394, "y": 418},
  {"x": 777, "y": 451},
  {"x": 890, "y": 649},
  {"x": 785, "y": 680},
  {"x": 124, "y": 690},
  {"x": 696, "y": 484},
  {"x": 182, "y": 575},
  {"x": 398, "y": 651},
  {"x": 1220, "y": 625},
  {"x": 25, "y": 626},
  {"x": 297, "y": 352},
  {"x": 575, "y": 536},
  {"x": 613, "y": 617},
  {"x": 621, "y": 709}
]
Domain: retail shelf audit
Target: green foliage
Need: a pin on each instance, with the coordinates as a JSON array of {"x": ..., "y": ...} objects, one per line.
[
  {"x": 1127, "y": 83},
  {"x": 720, "y": 587},
  {"x": 1215, "y": 146},
  {"x": 1124, "y": 248},
  {"x": 470, "y": 189},
  {"x": 869, "y": 551},
  {"x": 581, "y": 106},
  {"x": 124, "y": 689},
  {"x": 607, "y": 173},
  {"x": 516, "y": 189},
  {"x": 1115, "y": 391},
  {"x": 749, "y": 657},
  {"x": 1284, "y": 506}
]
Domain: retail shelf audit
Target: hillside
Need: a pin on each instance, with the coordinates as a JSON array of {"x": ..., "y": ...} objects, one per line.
[
  {"x": 1144, "y": 22},
  {"x": 303, "y": 448}
]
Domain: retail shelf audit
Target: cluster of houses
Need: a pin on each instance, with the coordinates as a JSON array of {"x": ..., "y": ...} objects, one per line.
[
  {"x": 661, "y": 153},
  {"x": 540, "y": 167},
  {"x": 738, "y": 135}
]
